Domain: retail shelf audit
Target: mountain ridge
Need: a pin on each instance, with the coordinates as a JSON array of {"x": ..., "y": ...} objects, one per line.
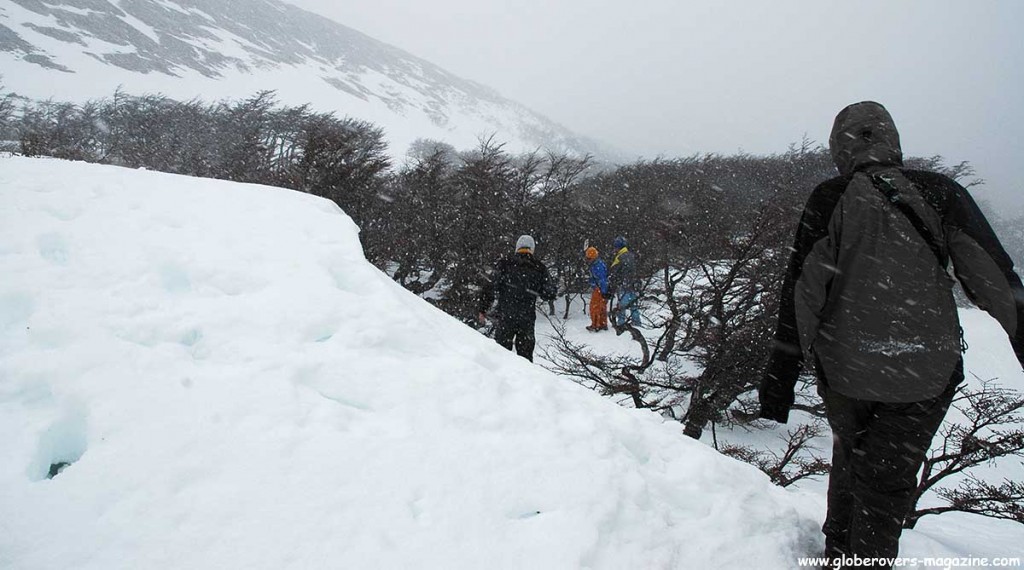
[{"x": 232, "y": 49}]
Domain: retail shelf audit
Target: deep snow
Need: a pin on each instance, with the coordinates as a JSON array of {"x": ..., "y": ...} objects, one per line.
[
  {"x": 989, "y": 357},
  {"x": 236, "y": 387}
]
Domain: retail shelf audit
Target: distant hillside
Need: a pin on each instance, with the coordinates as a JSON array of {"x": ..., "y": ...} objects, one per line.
[{"x": 216, "y": 49}]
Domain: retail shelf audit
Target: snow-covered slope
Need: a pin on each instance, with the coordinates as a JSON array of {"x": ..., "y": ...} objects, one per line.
[
  {"x": 214, "y": 49},
  {"x": 951, "y": 536},
  {"x": 234, "y": 386}
]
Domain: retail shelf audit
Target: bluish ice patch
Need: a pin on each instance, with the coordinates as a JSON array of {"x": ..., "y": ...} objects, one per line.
[
  {"x": 174, "y": 279},
  {"x": 191, "y": 338},
  {"x": 15, "y": 309},
  {"x": 53, "y": 248}
]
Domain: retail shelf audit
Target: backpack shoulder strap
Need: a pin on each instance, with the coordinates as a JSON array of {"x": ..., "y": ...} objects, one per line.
[{"x": 884, "y": 184}]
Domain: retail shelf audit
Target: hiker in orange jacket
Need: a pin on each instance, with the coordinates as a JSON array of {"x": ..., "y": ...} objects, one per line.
[{"x": 598, "y": 299}]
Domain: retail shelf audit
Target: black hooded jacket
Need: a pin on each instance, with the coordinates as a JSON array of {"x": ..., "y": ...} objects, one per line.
[
  {"x": 517, "y": 281},
  {"x": 865, "y": 296}
]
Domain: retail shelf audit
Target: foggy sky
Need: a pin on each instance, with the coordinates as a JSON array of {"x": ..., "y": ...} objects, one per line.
[{"x": 673, "y": 78}]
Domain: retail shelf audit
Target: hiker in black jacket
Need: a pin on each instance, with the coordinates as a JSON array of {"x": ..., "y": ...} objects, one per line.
[
  {"x": 517, "y": 282},
  {"x": 868, "y": 303}
]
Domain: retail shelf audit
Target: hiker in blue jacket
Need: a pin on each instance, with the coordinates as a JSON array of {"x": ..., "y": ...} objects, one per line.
[{"x": 599, "y": 291}]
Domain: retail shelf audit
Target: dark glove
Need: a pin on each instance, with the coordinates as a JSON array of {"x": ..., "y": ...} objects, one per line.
[
  {"x": 775, "y": 403},
  {"x": 774, "y": 413}
]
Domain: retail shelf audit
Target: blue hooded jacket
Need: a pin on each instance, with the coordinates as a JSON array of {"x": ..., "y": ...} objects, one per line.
[{"x": 599, "y": 276}]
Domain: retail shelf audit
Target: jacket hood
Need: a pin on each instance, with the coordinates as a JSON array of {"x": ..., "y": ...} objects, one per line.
[{"x": 863, "y": 135}]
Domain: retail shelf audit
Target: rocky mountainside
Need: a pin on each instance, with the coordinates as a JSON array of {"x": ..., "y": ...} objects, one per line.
[{"x": 214, "y": 49}]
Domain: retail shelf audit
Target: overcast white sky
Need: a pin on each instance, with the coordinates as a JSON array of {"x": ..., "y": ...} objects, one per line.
[{"x": 676, "y": 77}]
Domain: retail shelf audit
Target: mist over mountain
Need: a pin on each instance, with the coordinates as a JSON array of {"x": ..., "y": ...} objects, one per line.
[{"x": 215, "y": 49}]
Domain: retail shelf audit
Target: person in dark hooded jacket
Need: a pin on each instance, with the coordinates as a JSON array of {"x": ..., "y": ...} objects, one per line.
[
  {"x": 517, "y": 281},
  {"x": 623, "y": 281},
  {"x": 867, "y": 300}
]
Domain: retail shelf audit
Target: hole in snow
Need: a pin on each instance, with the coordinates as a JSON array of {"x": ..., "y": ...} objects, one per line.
[
  {"x": 56, "y": 469},
  {"x": 60, "y": 445}
]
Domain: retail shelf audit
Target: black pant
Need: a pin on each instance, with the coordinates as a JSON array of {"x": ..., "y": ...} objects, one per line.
[
  {"x": 878, "y": 449},
  {"x": 519, "y": 333}
]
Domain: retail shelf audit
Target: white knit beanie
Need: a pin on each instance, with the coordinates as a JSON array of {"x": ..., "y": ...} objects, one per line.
[{"x": 525, "y": 242}]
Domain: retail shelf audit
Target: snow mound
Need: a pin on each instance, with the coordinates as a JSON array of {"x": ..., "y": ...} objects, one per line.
[{"x": 225, "y": 382}]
